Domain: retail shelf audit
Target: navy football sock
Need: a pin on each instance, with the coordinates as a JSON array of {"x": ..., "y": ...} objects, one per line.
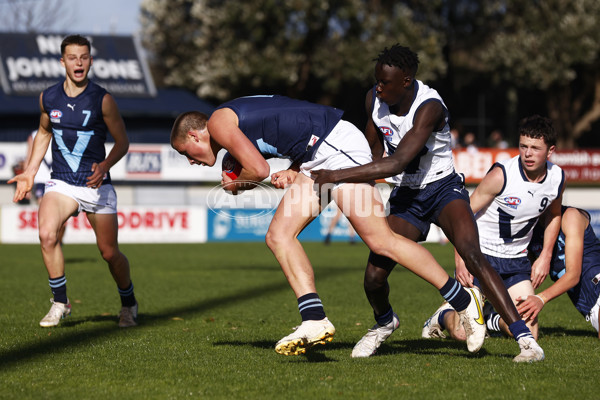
[
  {"x": 385, "y": 318},
  {"x": 455, "y": 294},
  {"x": 441, "y": 318},
  {"x": 310, "y": 307},
  {"x": 492, "y": 321},
  {"x": 520, "y": 330},
  {"x": 59, "y": 289},
  {"x": 127, "y": 296}
]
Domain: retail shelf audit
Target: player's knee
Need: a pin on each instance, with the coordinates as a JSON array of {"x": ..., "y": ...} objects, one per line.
[
  {"x": 48, "y": 237},
  {"x": 474, "y": 260},
  {"x": 110, "y": 254},
  {"x": 375, "y": 279},
  {"x": 275, "y": 239},
  {"x": 377, "y": 247}
]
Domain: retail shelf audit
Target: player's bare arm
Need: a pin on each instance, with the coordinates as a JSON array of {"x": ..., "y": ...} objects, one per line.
[
  {"x": 541, "y": 267},
  {"x": 373, "y": 135},
  {"x": 116, "y": 127},
  {"x": 224, "y": 130},
  {"x": 427, "y": 119},
  {"x": 42, "y": 140},
  {"x": 573, "y": 225}
]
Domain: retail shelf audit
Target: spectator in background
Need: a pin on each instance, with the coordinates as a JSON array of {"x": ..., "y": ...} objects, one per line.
[
  {"x": 470, "y": 142},
  {"x": 334, "y": 222},
  {"x": 455, "y": 139},
  {"x": 496, "y": 140}
]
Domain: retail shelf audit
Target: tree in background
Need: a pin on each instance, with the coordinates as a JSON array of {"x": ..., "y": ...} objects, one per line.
[
  {"x": 510, "y": 57},
  {"x": 552, "y": 46},
  {"x": 35, "y": 16},
  {"x": 318, "y": 50}
]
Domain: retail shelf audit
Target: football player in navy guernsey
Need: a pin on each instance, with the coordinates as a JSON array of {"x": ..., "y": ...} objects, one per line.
[
  {"x": 508, "y": 202},
  {"x": 76, "y": 116},
  {"x": 255, "y": 128},
  {"x": 575, "y": 270},
  {"x": 410, "y": 140}
]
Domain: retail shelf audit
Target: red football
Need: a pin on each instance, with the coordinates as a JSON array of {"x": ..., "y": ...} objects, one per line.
[{"x": 231, "y": 166}]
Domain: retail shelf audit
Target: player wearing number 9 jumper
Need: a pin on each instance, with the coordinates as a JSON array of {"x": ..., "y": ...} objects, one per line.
[
  {"x": 507, "y": 204},
  {"x": 76, "y": 115}
]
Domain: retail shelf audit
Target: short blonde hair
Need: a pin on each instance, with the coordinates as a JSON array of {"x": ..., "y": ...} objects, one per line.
[{"x": 185, "y": 122}]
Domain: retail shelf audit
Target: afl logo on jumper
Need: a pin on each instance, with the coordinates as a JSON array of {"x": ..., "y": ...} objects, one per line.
[
  {"x": 387, "y": 132},
  {"x": 512, "y": 202},
  {"x": 55, "y": 115}
]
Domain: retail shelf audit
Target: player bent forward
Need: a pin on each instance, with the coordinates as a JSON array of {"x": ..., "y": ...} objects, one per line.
[{"x": 312, "y": 136}]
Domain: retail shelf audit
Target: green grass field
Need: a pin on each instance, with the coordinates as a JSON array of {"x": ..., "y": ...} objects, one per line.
[{"x": 210, "y": 315}]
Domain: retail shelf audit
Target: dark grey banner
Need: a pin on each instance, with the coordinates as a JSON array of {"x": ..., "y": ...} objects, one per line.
[{"x": 29, "y": 63}]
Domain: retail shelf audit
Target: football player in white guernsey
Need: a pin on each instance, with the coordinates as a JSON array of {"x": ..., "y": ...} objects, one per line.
[
  {"x": 507, "y": 204},
  {"x": 408, "y": 122},
  {"x": 254, "y": 128}
]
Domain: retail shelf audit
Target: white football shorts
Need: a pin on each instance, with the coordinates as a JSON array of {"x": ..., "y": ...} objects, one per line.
[
  {"x": 344, "y": 147},
  {"x": 102, "y": 200},
  {"x": 592, "y": 317}
]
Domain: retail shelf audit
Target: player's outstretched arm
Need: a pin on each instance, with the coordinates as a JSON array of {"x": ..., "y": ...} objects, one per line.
[
  {"x": 41, "y": 142},
  {"x": 426, "y": 121}
]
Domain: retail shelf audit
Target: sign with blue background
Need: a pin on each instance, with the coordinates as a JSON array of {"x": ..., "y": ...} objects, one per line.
[{"x": 246, "y": 225}]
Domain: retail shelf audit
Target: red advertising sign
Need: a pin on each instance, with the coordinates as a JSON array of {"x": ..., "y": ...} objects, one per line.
[{"x": 580, "y": 166}]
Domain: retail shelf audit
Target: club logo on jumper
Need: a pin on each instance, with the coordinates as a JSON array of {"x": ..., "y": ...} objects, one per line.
[
  {"x": 512, "y": 202},
  {"x": 387, "y": 132},
  {"x": 313, "y": 140},
  {"x": 55, "y": 115}
]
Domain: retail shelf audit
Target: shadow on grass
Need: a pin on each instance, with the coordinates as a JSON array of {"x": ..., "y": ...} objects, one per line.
[
  {"x": 419, "y": 347},
  {"x": 430, "y": 347},
  {"x": 562, "y": 331},
  {"x": 314, "y": 354},
  {"x": 56, "y": 343},
  {"x": 81, "y": 260}
]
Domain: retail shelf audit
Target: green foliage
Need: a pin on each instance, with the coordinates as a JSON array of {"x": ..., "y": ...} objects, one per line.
[
  {"x": 303, "y": 48},
  {"x": 322, "y": 50},
  {"x": 210, "y": 315},
  {"x": 540, "y": 43}
]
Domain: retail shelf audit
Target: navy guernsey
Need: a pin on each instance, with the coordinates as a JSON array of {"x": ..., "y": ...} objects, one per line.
[
  {"x": 282, "y": 127},
  {"x": 585, "y": 293},
  {"x": 78, "y": 131}
]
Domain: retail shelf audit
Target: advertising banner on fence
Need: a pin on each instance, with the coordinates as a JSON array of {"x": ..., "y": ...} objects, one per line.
[
  {"x": 580, "y": 166},
  {"x": 159, "y": 162},
  {"x": 251, "y": 225},
  {"x": 19, "y": 224},
  {"x": 29, "y": 63}
]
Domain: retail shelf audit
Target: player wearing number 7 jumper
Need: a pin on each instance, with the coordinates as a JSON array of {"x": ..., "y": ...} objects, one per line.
[
  {"x": 76, "y": 115},
  {"x": 507, "y": 204}
]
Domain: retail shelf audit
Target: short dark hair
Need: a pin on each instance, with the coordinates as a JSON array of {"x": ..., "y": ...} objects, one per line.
[
  {"x": 75, "y": 39},
  {"x": 538, "y": 127},
  {"x": 401, "y": 57},
  {"x": 185, "y": 122}
]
